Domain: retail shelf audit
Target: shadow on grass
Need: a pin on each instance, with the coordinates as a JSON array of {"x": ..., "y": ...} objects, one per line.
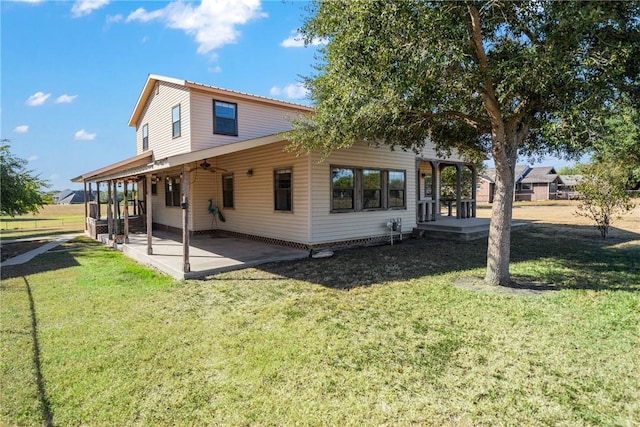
[
  {"x": 45, "y": 406},
  {"x": 40, "y": 264},
  {"x": 573, "y": 258}
]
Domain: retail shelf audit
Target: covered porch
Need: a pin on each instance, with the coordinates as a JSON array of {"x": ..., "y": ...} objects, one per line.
[{"x": 445, "y": 189}]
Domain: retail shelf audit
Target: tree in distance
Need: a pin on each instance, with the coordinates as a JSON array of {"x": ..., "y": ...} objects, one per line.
[
  {"x": 20, "y": 188},
  {"x": 487, "y": 78}
]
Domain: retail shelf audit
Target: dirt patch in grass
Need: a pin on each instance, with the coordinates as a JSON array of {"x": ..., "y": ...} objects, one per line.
[{"x": 519, "y": 286}]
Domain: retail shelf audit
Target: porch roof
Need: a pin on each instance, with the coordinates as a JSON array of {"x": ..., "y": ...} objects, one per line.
[
  {"x": 107, "y": 172},
  {"x": 144, "y": 163}
]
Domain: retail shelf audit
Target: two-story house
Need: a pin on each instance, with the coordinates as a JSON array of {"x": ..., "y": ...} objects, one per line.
[{"x": 201, "y": 150}]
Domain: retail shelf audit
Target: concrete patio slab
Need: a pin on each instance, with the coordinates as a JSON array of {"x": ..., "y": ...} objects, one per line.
[{"x": 207, "y": 255}]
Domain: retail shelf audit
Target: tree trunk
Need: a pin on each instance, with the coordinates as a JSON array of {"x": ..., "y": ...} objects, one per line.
[{"x": 498, "y": 250}]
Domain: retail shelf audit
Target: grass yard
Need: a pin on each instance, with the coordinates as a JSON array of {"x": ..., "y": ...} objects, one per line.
[{"x": 371, "y": 336}]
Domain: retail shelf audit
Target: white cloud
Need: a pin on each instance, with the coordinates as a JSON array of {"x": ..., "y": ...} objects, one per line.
[
  {"x": 212, "y": 23},
  {"x": 297, "y": 40},
  {"x": 21, "y": 129},
  {"x": 32, "y": 158},
  {"x": 215, "y": 69},
  {"x": 291, "y": 91},
  {"x": 38, "y": 98},
  {"x": 83, "y": 135},
  {"x": 65, "y": 99},
  {"x": 114, "y": 19},
  {"x": 85, "y": 7}
]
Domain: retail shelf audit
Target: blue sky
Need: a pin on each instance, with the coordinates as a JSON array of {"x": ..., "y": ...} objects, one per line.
[{"x": 71, "y": 71}]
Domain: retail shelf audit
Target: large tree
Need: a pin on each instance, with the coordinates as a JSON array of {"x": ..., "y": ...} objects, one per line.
[
  {"x": 485, "y": 77},
  {"x": 20, "y": 187}
]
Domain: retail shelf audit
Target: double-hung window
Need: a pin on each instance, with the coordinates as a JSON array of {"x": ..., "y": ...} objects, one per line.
[
  {"x": 397, "y": 189},
  {"x": 172, "y": 191},
  {"x": 225, "y": 118},
  {"x": 282, "y": 196},
  {"x": 363, "y": 189},
  {"x": 175, "y": 120},
  {"x": 343, "y": 186},
  {"x": 227, "y": 191},
  {"x": 145, "y": 137}
]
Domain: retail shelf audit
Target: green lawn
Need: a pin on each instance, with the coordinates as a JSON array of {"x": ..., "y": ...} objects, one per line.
[
  {"x": 372, "y": 336},
  {"x": 50, "y": 220}
]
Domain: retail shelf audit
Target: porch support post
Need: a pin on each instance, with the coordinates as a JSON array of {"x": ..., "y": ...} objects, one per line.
[
  {"x": 435, "y": 170},
  {"x": 148, "y": 206},
  {"x": 459, "y": 191},
  {"x": 98, "y": 199},
  {"x": 86, "y": 202},
  {"x": 109, "y": 211},
  {"x": 435, "y": 190},
  {"x": 126, "y": 211},
  {"x": 474, "y": 195},
  {"x": 185, "y": 219}
]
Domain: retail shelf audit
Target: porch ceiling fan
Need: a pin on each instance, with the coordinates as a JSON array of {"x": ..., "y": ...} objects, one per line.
[{"x": 207, "y": 166}]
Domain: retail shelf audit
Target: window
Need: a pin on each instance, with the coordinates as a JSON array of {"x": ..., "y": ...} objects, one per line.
[
  {"x": 397, "y": 190},
  {"x": 154, "y": 187},
  {"x": 172, "y": 191},
  {"x": 145, "y": 137},
  {"x": 175, "y": 119},
  {"x": 227, "y": 191},
  {"x": 343, "y": 189},
  {"x": 371, "y": 189},
  {"x": 225, "y": 118},
  {"x": 355, "y": 189},
  {"x": 282, "y": 190}
]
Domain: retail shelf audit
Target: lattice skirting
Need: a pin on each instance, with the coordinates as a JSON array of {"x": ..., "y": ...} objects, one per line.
[{"x": 296, "y": 245}]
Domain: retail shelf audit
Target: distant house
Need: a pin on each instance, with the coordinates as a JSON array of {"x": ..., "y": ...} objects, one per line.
[
  {"x": 567, "y": 187},
  {"x": 70, "y": 197},
  {"x": 531, "y": 184}
]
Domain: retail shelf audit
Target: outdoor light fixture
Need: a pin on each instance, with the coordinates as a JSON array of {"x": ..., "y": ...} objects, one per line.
[{"x": 250, "y": 172}]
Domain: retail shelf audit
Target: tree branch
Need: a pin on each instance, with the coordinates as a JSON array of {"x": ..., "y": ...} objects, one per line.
[{"x": 487, "y": 93}]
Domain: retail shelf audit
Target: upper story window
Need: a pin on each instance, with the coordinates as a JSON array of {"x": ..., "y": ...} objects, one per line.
[
  {"x": 225, "y": 118},
  {"x": 145, "y": 137},
  {"x": 282, "y": 190},
  {"x": 175, "y": 119}
]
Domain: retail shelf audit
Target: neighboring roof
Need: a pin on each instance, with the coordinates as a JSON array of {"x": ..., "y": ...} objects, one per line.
[
  {"x": 153, "y": 78},
  {"x": 542, "y": 174},
  {"x": 570, "y": 180},
  {"x": 490, "y": 173}
]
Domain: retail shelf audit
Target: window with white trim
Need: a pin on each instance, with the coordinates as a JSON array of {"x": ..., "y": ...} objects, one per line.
[
  {"x": 145, "y": 136},
  {"x": 225, "y": 118},
  {"x": 175, "y": 120}
]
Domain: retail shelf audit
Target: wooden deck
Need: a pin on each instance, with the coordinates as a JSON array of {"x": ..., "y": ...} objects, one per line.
[{"x": 452, "y": 228}]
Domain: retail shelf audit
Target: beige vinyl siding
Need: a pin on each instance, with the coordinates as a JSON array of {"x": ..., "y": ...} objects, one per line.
[
  {"x": 333, "y": 227},
  {"x": 254, "y": 120},
  {"x": 429, "y": 152},
  {"x": 165, "y": 215},
  {"x": 157, "y": 114},
  {"x": 253, "y": 212}
]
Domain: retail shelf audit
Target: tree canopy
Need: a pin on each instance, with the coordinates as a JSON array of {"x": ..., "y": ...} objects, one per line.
[
  {"x": 20, "y": 188},
  {"x": 496, "y": 78}
]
